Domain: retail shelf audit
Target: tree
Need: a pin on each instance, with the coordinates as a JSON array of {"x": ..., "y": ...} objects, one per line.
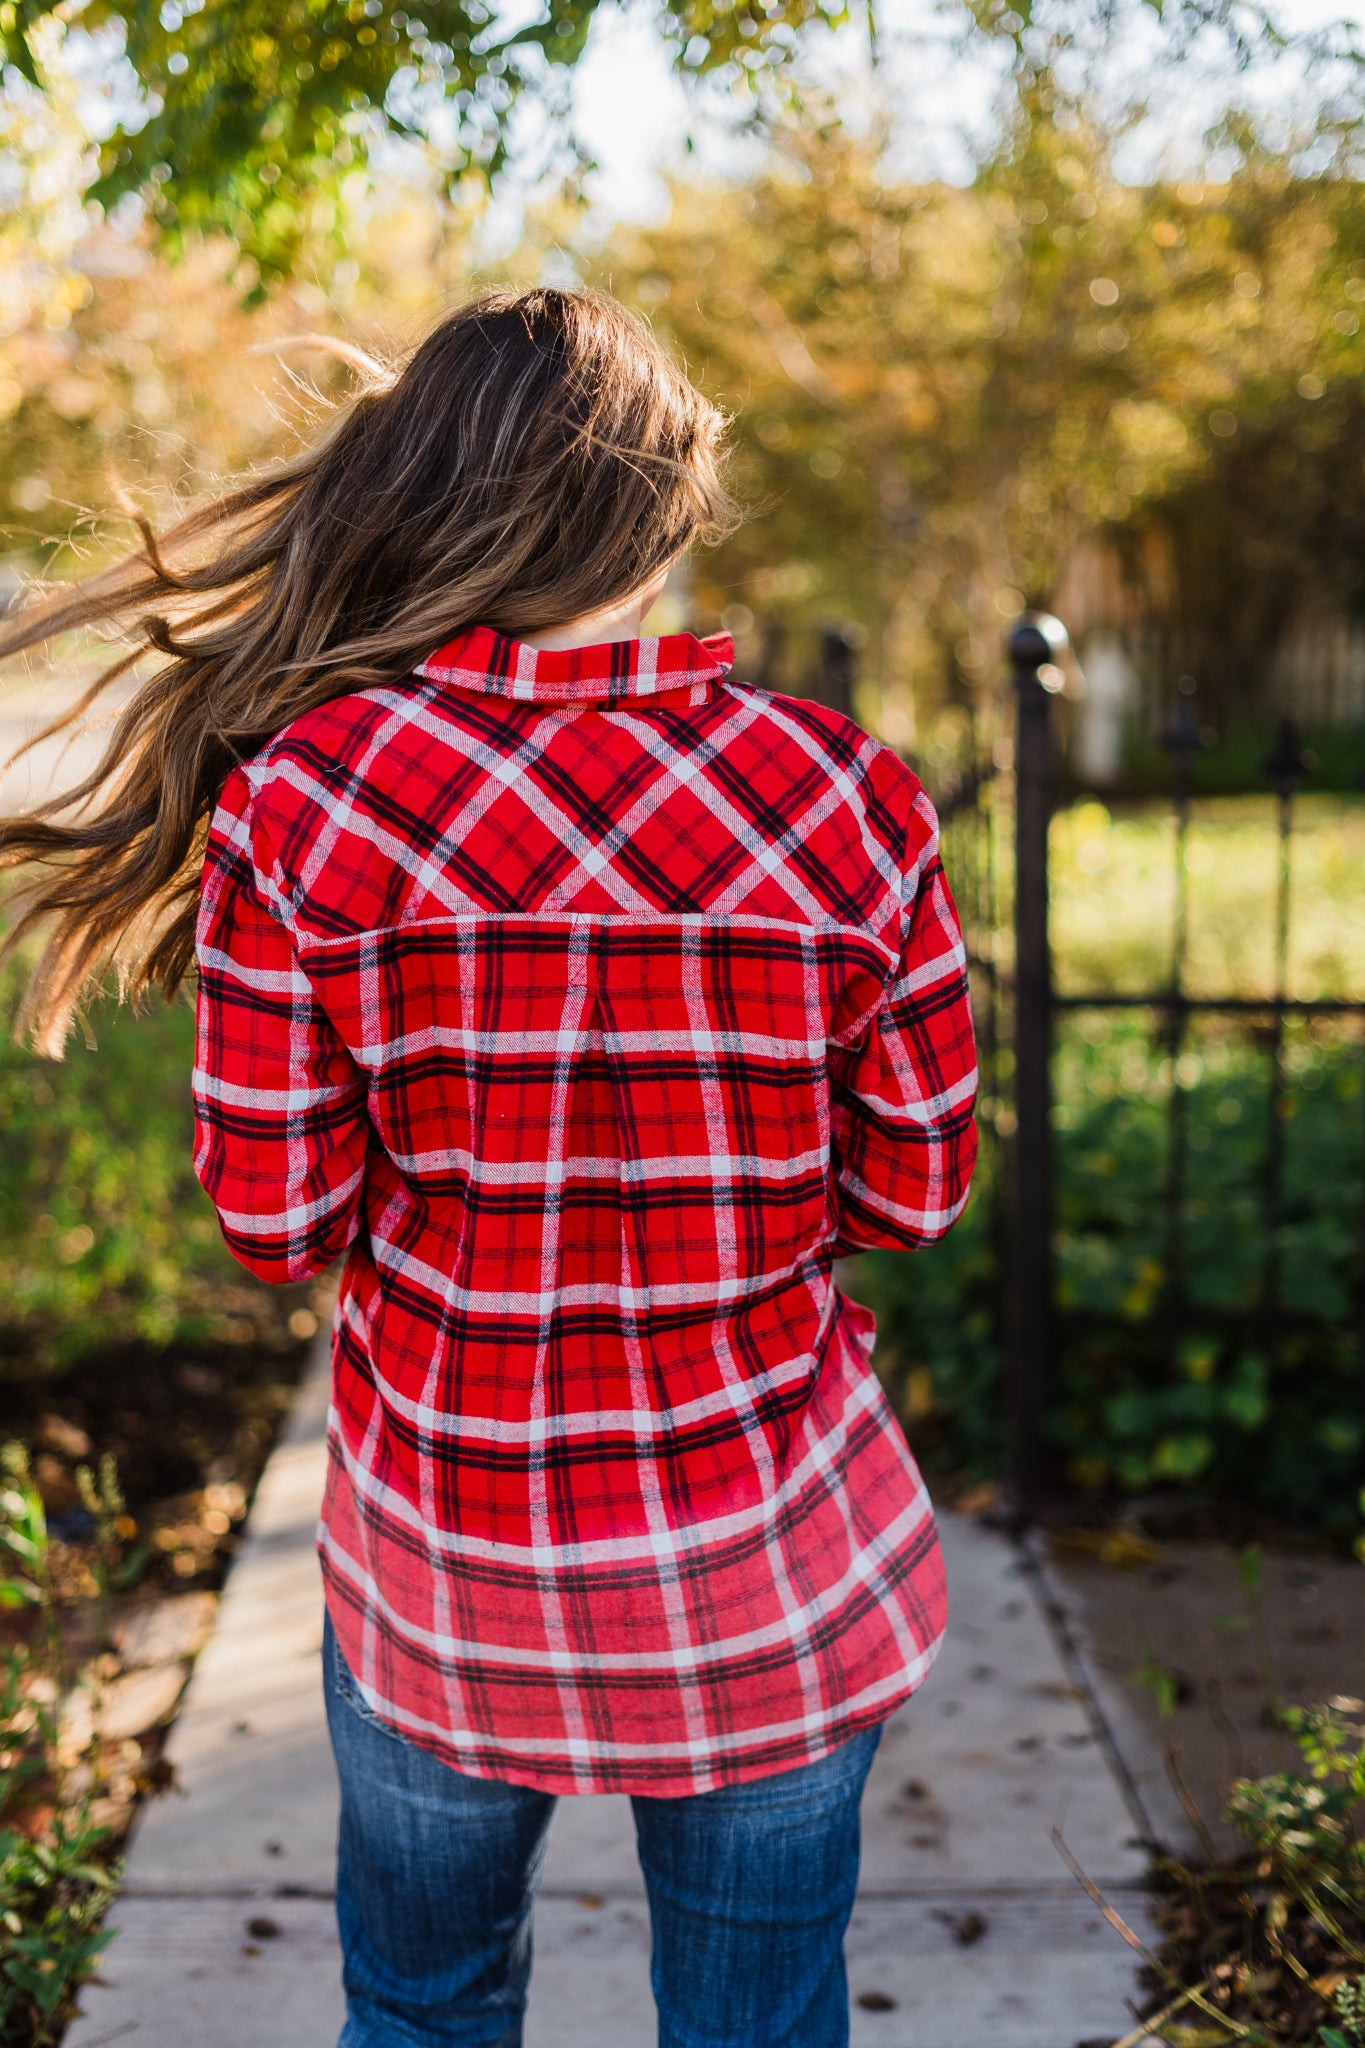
[
  {"x": 250, "y": 111},
  {"x": 123, "y": 368},
  {"x": 940, "y": 393}
]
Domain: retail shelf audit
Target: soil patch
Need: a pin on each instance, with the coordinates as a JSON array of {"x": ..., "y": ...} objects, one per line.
[
  {"x": 1171, "y": 1626},
  {"x": 189, "y": 1432},
  {"x": 174, "y": 1421}
]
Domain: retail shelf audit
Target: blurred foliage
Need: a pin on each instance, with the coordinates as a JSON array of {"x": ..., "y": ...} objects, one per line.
[
  {"x": 116, "y": 364},
  {"x": 105, "y": 1235},
  {"x": 1207, "y": 1395},
  {"x": 250, "y": 115},
  {"x": 1112, "y": 907},
  {"x": 1229, "y": 1408},
  {"x": 246, "y": 116},
  {"x": 944, "y": 393},
  {"x": 1236, "y": 764},
  {"x": 54, "y": 1879},
  {"x": 1247, "y": 24},
  {"x": 944, "y": 396},
  {"x": 1212, "y": 1392}
]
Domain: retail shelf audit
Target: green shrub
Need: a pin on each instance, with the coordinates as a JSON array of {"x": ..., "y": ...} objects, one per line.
[
  {"x": 105, "y": 1235},
  {"x": 53, "y": 1886},
  {"x": 1307, "y": 1826},
  {"x": 1272, "y": 1948},
  {"x": 938, "y": 1317},
  {"x": 1349, "y": 2007},
  {"x": 52, "y": 1897},
  {"x": 1309, "y": 1822},
  {"x": 1203, "y": 1393}
]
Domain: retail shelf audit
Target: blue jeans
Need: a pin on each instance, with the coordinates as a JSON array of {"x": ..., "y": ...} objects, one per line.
[{"x": 750, "y": 1890}]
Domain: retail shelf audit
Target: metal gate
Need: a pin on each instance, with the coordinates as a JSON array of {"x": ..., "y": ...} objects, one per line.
[{"x": 996, "y": 817}]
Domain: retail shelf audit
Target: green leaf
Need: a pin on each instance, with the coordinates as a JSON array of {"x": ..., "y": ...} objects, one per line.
[
  {"x": 131, "y": 1569},
  {"x": 1249, "y": 1570},
  {"x": 14, "y": 41},
  {"x": 1159, "y": 1680},
  {"x": 1183, "y": 1455}
]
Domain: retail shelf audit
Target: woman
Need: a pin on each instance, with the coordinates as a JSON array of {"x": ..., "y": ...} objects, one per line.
[{"x": 590, "y": 1004}]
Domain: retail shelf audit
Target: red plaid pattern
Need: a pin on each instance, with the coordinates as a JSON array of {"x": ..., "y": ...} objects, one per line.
[{"x": 591, "y": 1003}]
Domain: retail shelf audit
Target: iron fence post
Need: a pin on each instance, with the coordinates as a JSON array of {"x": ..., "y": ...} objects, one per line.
[
  {"x": 1286, "y": 767},
  {"x": 1033, "y": 645},
  {"x": 1182, "y": 739},
  {"x": 838, "y": 670}
]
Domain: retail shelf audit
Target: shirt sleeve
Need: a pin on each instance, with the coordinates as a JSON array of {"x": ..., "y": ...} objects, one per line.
[
  {"x": 902, "y": 1096},
  {"x": 281, "y": 1129}
]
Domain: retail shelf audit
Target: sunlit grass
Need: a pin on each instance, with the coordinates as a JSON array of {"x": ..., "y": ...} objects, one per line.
[{"x": 1113, "y": 898}]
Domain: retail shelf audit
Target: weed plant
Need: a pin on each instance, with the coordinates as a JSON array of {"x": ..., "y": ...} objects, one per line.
[
  {"x": 55, "y": 1882},
  {"x": 1273, "y": 1950}
]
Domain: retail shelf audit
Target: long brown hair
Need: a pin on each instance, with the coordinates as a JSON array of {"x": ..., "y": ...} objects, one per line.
[{"x": 537, "y": 459}]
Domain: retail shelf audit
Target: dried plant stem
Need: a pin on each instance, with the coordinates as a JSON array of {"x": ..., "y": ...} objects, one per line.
[
  {"x": 1171, "y": 1757},
  {"x": 1192, "y": 1995},
  {"x": 1145, "y": 2029},
  {"x": 1313, "y": 1902}
]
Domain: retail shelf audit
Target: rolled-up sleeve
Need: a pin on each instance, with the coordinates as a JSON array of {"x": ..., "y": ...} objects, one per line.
[
  {"x": 903, "y": 1093},
  {"x": 281, "y": 1129}
]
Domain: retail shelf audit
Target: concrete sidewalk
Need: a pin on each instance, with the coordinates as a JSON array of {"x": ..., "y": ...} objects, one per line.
[{"x": 968, "y": 1933}]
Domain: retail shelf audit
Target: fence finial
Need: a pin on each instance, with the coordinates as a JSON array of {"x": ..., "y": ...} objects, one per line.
[{"x": 1036, "y": 644}]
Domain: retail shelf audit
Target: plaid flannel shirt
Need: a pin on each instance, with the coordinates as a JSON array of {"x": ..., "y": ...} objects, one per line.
[{"x": 591, "y": 1003}]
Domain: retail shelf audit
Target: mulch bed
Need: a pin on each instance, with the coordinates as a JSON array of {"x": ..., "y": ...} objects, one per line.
[
  {"x": 1169, "y": 1622},
  {"x": 1169, "y": 1625},
  {"x": 190, "y": 1431},
  {"x": 1255, "y": 1955}
]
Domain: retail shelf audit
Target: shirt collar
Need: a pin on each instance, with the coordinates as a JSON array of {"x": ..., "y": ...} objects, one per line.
[{"x": 488, "y": 662}]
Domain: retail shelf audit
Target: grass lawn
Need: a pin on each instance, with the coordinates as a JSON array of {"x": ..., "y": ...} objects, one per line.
[{"x": 1113, "y": 893}]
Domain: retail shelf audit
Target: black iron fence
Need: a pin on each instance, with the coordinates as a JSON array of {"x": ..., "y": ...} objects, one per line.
[{"x": 996, "y": 817}]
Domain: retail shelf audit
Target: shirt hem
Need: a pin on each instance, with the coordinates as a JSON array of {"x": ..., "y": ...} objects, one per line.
[{"x": 700, "y": 1772}]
